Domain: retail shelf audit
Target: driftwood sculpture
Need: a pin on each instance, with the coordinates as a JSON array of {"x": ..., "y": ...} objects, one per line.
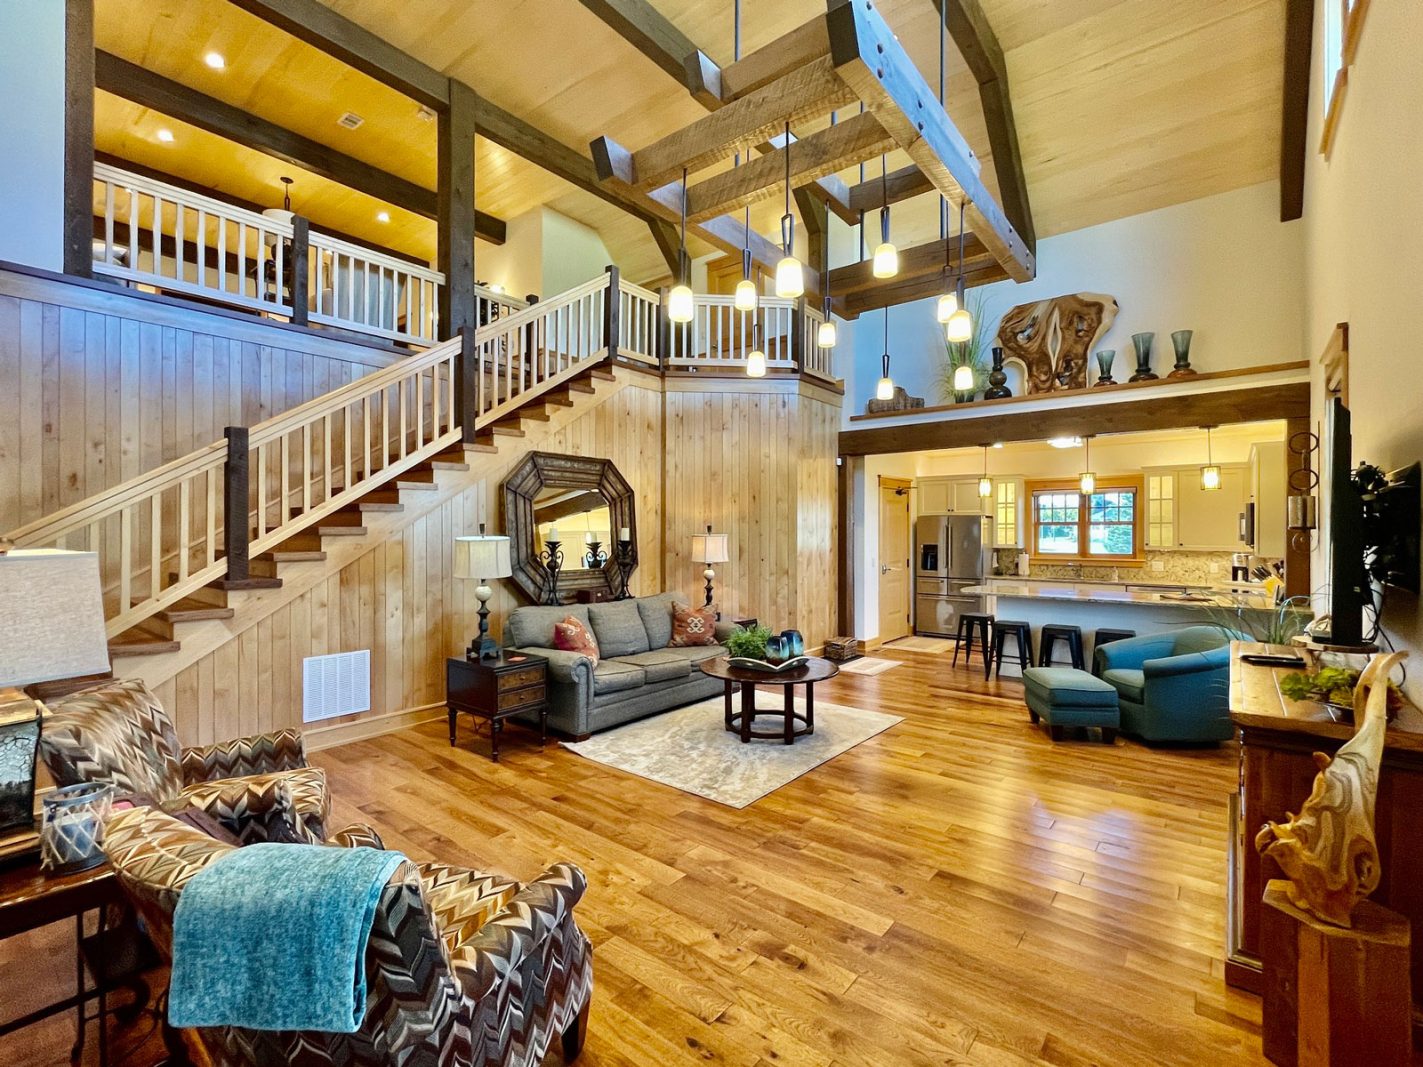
[
  {"x": 1054, "y": 338},
  {"x": 1328, "y": 851}
]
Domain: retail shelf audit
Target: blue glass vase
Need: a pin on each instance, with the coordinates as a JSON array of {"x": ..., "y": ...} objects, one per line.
[
  {"x": 792, "y": 643},
  {"x": 775, "y": 650}
]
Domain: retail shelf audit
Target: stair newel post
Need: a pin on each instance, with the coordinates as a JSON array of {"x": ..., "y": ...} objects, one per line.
[
  {"x": 468, "y": 385},
  {"x": 798, "y": 335},
  {"x": 236, "y": 521},
  {"x": 299, "y": 265},
  {"x": 612, "y": 313}
]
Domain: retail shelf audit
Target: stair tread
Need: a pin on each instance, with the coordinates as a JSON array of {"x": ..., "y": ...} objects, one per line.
[
  {"x": 507, "y": 430},
  {"x": 338, "y": 530},
  {"x": 190, "y": 610},
  {"x": 292, "y": 555},
  {"x": 140, "y": 642}
]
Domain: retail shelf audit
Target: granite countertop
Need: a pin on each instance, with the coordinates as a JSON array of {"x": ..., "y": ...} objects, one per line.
[{"x": 1060, "y": 590}]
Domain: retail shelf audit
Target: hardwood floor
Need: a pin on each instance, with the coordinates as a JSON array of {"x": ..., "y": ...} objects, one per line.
[{"x": 957, "y": 890}]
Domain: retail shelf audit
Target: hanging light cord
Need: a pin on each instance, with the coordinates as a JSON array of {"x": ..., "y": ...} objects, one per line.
[
  {"x": 788, "y": 220},
  {"x": 884, "y": 201},
  {"x": 736, "y": 55},
  {"x": 682, "y": 259}
]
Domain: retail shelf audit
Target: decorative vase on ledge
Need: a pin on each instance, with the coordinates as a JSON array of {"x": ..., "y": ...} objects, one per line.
[
  {"x": 1144, "y": 373},
  {"x": 997, "y": 379},
  {"x": 1104, "y": 366},
  {"x": 1181, "y": 342}
]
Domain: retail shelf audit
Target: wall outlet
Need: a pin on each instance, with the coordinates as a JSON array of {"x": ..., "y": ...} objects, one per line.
[
  {"x": 1215, "y": 568},
  {"x": 1159, "y": 566}
]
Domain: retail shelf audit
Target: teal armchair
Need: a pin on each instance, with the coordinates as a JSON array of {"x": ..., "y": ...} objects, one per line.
[{"x": 1172, "y": 686}]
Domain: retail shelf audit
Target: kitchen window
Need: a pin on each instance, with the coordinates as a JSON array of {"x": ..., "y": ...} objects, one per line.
[{"x": 1071, "y": 527}]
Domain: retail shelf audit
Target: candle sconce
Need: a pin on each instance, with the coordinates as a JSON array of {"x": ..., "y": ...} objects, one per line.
[
  {"x": 594, "y": 556},
  {"x": 552, "y": 559},
  {"x": 1302, "y": 507},
  {"x": 624, "y": 564}
]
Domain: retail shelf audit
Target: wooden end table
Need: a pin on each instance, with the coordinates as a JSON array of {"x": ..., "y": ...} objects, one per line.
[
  {"x": 741, "y": 722},
  {"x": 498, "y": 689}
]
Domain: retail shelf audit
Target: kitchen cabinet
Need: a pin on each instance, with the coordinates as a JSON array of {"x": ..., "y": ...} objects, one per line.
[
  {"x": 964, "y": 499},
  {"x": 1161, "y": 509},
  {"x": 1008, "y": 513},
  {"x": 952, "y": 496},
  {"x": 1210, "y": 519},
  {"x": 1267, "y": 494},
  {"x": 933, "y": 496}
]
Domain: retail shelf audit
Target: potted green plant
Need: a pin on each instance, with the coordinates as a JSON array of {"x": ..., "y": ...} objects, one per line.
[
  {"x": 972, "y": 353},
  {"x": 748, "y": 642},
  {"x": 1334, "y": 688}
]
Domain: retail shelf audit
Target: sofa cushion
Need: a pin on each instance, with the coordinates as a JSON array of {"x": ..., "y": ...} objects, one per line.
[
  {"x": 656, "y": 613},
  {"x": 618, "y": 627},
  {"x": 660, "y": 664},
  {"x": 1129, "y": 683},
  {"x": 573, "y": 635},
  {"x": 614, "y": 675},
  {"x": 695, "y": 654},
  {"x": 532, "y": 627},
  {"x": 693, "y": 626},
  {"x": 1066, "y": 687}
]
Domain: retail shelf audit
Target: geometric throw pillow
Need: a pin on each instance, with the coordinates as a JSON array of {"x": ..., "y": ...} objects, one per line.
[
  {"x": 692, "y": 626},
  {"x": 570, "y": 635}
]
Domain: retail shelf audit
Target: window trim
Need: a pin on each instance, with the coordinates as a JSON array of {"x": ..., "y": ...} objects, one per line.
[
  {"x": 1134, "y": 482},
  {"x": 1343, "y": 24}
]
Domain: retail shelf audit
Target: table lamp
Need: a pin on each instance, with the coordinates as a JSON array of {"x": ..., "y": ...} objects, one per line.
[
  {"x": 709, "y": 548},
  {"x": 51, "y": 627},
  {"x": 480, "y": 558}
]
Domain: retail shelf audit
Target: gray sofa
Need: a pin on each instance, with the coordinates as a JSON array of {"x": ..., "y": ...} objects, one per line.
[{"x": 637, "y": 674}]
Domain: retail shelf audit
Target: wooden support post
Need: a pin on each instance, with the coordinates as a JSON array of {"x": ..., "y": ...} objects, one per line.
[
  {"x": 1334, "y": 996},
  {"x": 299, "y": 265},
  {"x": 845, "y": 469},
  {"x": 467, "y": 385},
  {"x": 664, "y": 331},
  {"x": 799, "y": 335},
  {"x": 456, "y": 224},
  {"x": 78, "y": 250},
  {"x": 236, "y": 528},
  {"x": 612, "y": 313}
]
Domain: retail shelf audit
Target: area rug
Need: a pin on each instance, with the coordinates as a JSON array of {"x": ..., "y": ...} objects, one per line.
[
  {"x": 921, "y": 644},
  {"x": 690, "y": 748},
  {"x": 870, "y": 665}
]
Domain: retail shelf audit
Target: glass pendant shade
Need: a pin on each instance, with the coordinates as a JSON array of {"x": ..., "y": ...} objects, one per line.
[
  {"x": 960, "y": 326},
  {"x": 884, "y": 389},
  {"x": 827, "y": 335},
  {"x": 745, "y": 298},
  {"x": 886, "y": 261},
  {"x": 790, "y": 278},
  {"x": 1087, "y": 482},
  {"x": 963, "y": 378},
  {"x": 1210, "y": 476},
  {"x": 985, "y": 487},
  {"x": 679, "y": 303},
  {"x": 756, "y": 364},
  {"x": 948, "y": 304}
]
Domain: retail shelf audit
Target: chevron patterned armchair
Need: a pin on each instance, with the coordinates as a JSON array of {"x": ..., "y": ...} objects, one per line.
[
  {"x": 462, "y": 969},
  {"x": 259, "y": 788}
]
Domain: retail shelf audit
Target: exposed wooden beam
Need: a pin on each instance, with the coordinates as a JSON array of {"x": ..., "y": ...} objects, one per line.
[
  {"x": 791, "y": 51},
  {"x": 1299, "y": 33},
  {"x": 898, "y": 185},
  {"x": 132, "y": 82},
  {"x": 870, "y": 60},
  {"x": 647, "y": 30},
  {"x": 1250, "y": 404},
  {"x": 77, "y": 254},
  {"x": 703, "y": 79},
  {"x": 830, "y": 190},
  {"x": 455, "y": 166},
  {"x": 891, "y": 292},
  {"x": 931, "y": 258},
  {"x": 815, "y": 220},
  {"x": 668, "y": 243},
  {"x": 977, "y": 43},
  {"x": 810, "y": 158},
  {"x": 318, "y": 25}
]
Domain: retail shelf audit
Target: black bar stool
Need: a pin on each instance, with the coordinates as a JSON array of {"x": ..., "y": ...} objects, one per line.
[
  {"x": 970, "y": 621},
  {"x": 1055, "y": 632},
  {"x": 1002, "y": 628},
  {"x": 1106, "y": 637}
]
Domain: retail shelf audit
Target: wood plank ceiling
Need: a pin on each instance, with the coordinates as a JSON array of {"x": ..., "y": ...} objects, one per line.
[{"x": 1122, "y": 106}]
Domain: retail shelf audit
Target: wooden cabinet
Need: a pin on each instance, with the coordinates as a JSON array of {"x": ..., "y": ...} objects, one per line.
[
  {"x": 952, "y": 496},
  {"x": 933, "y": 496},
  {"x": 1210, "y": 519},
  {"x": 1008, "y": 513},
  {"x": 497, "y": 689},
  {"x": 1267, "y": 493},
  {"x": 964, "y": 498},
  {"x": 1161, "y": 509}
]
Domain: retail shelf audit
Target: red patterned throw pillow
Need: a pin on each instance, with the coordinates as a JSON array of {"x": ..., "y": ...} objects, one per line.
[
  {"x": 692, "y": 626},
  {"x": 570, "y": 635}
]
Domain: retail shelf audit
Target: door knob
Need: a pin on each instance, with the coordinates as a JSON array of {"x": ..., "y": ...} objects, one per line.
[{"x": 884, "y": 568}]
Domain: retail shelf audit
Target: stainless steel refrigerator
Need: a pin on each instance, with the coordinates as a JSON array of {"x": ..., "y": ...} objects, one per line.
[{"x": 950, "y": 553}]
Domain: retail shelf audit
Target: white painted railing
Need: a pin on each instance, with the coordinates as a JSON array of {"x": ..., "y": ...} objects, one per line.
[
  {"x": 492, "y": 304},
  {"x": 721, "y": 336},
  {"x": 815, "y": 360},
  {"x": 356, "y": 288},
  {"x": 158, "y": 536},
  {"x": 638, "y": 316},
  {"x": 527, "y": 353},
  {"x": 157, "y": 234}
]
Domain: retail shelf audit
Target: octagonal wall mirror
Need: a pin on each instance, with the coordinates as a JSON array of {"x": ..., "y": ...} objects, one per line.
[{"x": 585, "y": 503}]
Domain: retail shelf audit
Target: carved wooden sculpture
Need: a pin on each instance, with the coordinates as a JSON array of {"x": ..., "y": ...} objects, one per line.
[
  {"x": 1054, "y": 338},
  {"x": 1327, "y": 851}
]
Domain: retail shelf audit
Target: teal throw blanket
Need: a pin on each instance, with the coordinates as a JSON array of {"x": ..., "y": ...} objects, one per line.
[{"x": 273, "y": 937}]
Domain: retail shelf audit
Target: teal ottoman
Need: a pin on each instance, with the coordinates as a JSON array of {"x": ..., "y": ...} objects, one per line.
[{"x": 1060, "y": 697}]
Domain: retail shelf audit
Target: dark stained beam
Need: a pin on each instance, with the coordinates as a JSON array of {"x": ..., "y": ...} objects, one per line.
[
  {"x": 871, "y": 195},
  {"x": 668, "y": 243},
  {"x": 798, "y": 48},
  {"x": 132, "y": 82},
  {"x": 892, "y": 292},
  {"x": 979, "y": 46},
  {"x": 999, "y": 422},
  {"x": 815, "y": 218},
  {"x": 933, "y": 257},
  {"x": 318, "y": 25},
  {"x": 1299, "y": 32},
  {"x": 647, "y": 30},
  {"x": 456, "y": 216},
  {"x": 77, "y": 255}
]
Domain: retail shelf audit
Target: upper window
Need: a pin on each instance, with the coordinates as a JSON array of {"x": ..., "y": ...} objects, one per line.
[
  {"x": 1343, "y": 21},
  {"x": 1104, "y": 525}
]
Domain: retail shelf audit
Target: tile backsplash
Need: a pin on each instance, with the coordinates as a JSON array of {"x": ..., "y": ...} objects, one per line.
[{"x": 1184, "y": 568}]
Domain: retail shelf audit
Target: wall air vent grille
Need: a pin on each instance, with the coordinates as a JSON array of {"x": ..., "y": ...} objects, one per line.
[
  {"x": 339, "y": 684},
  {"x": 350, "y": 120}
]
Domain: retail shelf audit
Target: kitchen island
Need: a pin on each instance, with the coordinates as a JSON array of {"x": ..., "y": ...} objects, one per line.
[{"x": 1094, "y": 606}]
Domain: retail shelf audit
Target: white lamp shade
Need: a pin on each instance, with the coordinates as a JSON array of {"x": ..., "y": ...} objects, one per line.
[
  {"x": 746, "y": 296},
  {"x": 52, "y": 623},
  {"x": 756, "y": 364},
  {"x": 963, "y": 378},
  {"x": 679, "y": 303},
  {"x": 960, "y": 326},
  {"x": 884, "y": 390},
  {"x": 709, "y": 548},
  {"x": 827, "y": 335},
  {"x": 985, "y": 487},
  {"x": 948, "y": 304},
  {"x": 1087, "y": 482},
  {"x": 886, "y": 261},
  {"x": 790, "y": 278},
  {"x": 482, "y": 556},
  {"x": 1210, "y": 477}
]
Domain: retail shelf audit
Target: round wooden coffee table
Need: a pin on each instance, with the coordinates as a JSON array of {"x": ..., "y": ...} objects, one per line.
[{"x": 741, "y": 722}]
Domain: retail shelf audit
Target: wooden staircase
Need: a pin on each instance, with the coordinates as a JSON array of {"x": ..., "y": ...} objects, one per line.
[{"x": 220, "y": 599}]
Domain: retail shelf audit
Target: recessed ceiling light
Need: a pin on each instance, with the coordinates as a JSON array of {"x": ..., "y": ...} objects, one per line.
[
  {"x": 215, "y": 60},
  {"x": 165, "y": 135},
  {"x": 997, "y": 444},
  {"x": 382, "y": 216},
  {"x": 1065, "y": 442},
  {"x": 425, "y": 114}
]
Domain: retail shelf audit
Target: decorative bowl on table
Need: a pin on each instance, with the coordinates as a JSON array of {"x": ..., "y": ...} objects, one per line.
[{"x": 750, "y": 664}]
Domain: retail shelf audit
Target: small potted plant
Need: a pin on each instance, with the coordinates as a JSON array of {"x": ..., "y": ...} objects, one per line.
[
  {"x": 1334, "y": 688},
  {"x": 758, "y": 648}
]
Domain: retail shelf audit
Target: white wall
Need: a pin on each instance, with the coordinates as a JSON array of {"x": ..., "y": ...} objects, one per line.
[
  {"x": 32, "y": 133},
  {"x": 572, "y": 253},
  {"x": 1363, "y": 224},
  {"x": 1223, "y": 266},
  {"x": 544, "y": 252}
]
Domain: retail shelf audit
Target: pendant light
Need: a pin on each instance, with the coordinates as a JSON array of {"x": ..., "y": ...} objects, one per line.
[
  {"x": 949, "y": 302},
  {"x": 886, "y": 259},
  {"x": 985, "y": 483},
  {"x": 756, "y": 361},
  {"x": 679, "y": 300},
  {"x": 746, "y": 296},
  {"x": 1210, "y": 473},
  {"x": 1087, "y": 480},
  {"x": 827, "y": 334},
  {"x": 960, "y": 324},
  {"x": 790, "y": 278},
  {"x": 884, "y": 388}
]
